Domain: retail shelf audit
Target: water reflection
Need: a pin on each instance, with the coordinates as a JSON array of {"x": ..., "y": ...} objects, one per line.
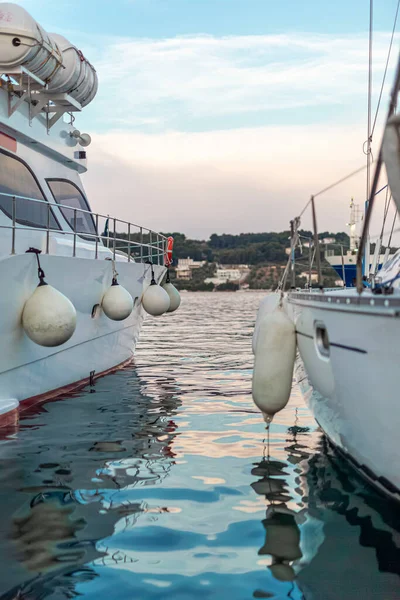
[
  {"x": 360, "y": 549},
  {"x": 163, "y": 484},
  {"x": 282, "y": 532},
  {"x": 344, "y": 541},
  {"x": 55, "y": 535}
]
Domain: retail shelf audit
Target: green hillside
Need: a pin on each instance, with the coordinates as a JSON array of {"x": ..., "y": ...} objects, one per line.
[
  {"x": 244, "y": 248},
  {"x": 265, "y": 253}
]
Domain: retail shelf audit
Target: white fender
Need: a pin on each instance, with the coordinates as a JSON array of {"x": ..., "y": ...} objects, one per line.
[
  {"x": 282, "y": 537},
  {"x": 267, "y": 305},
  {"x": 274, "y": 362},
  {"x": 174, "y": 296},
  {"x": 117, "y": 302},
  {"x": 48, "y": 317},
  {"x": 282, "y": 572},
  {"x": 270, "y": 487},
  {"x": 155, "y": 300}
]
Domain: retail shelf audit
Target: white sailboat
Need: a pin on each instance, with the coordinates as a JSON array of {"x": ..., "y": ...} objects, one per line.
[
  {"x": 347, "y": 344},
  {"x": 44, "y": 82}
]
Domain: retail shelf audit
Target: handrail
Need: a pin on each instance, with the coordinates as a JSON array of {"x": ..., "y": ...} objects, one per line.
[
  {"x": 89, "y": 212},
  {"x": 92, "y": 235},
  {"x": 155, "y": 249}
]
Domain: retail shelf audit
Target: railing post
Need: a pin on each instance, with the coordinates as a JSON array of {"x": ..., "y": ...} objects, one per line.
[
  {"x": 115, "y": 237},
  {"x": 316, "y": 243},
  {"x": 292, "y": 255},
  {"x": 129, "y": 242},
  {"x": 141, "y": 244},
  {"x": 158, "y": 249},
  {"x": 74, "y": 249},
  {"x": 343, "y": 270},
  {"x": 48, "y": 229},
  {"x": 96, "y": 254},
  {"x": 151, "y": 246},
  {"x": 14, "y": 214}
]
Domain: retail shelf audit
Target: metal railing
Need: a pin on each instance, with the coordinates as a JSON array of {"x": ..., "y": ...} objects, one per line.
[{"x": 136, "y": 242}]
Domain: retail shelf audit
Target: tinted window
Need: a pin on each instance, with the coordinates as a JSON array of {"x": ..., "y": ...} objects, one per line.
[
  {"x": 66, "y": 193},
  {"x": 17, "y": 179}
]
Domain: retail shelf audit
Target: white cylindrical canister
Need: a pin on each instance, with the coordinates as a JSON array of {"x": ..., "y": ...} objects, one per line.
[
  {"x": 51, "y": 57},
  {"x": 24, "y": 42},
  {"x": 78, "y": 77}
]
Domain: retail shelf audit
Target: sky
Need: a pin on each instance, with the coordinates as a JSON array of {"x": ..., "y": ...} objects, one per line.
[{"x": 226, "y": 115}]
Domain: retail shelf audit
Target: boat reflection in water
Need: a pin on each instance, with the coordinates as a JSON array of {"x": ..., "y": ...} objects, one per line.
[
  {"x": 327, "y": 536},
  {"x": 57, "y": 536},
  {"x": 331, "y": 545},
  {"x": 153, "y": 487}
]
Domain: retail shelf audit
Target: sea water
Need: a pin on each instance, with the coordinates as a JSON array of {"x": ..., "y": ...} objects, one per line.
[{"x": 161, "y": 482}]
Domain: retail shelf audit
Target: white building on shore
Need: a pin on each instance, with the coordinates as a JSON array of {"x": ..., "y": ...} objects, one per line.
[
  {"x": 232, "y": 273},
  {"x": 185, "y": 268}
]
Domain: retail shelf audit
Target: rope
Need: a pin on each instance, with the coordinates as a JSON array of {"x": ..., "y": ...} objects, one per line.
[
  {"x": 282, "y": 281},
  {"x": 305, "y": 208},
  {"x": 293, "y": 243},
  {"x": 114, "y": 270},
  {"x": 338, "y": 182},
  {"x": 41, "y": 274},
  {"x": 391, "y": 233},
  {"x": 385, "y": 210},
  {"x": 153, "y": 281},
  {"x": 385, "y": 187},
  {"x": 329, "y": 187},
  {"x": 386, "y": 67}
]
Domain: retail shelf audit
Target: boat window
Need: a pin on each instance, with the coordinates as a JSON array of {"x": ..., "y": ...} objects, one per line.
[
  {"x": 322, "y": 340},
  {"x": 17, "y": 179},
  {"x": 69, "y": 195}
]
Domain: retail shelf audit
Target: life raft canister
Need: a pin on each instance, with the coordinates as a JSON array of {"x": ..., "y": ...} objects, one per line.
[{"x": 168, "y": 253}]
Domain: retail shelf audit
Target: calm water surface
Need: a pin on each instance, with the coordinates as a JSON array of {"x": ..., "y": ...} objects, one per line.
[{"x": 160, "y": 483}]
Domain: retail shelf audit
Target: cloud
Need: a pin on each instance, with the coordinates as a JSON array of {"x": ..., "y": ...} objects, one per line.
[
  {"x": 201, "y": 133},
  {"x": 226, "y": 181},
  {"x": 190, "y": 82},
  {"x": 173, "y": 157}
]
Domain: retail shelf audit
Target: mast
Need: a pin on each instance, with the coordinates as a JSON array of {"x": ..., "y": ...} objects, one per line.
[
  {"x": 352, "y": 225},
  {"x": 369, "y": 137}
]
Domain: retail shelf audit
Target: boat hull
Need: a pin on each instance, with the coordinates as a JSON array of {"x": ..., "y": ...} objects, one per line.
[
  {"x": 30, "y": 373},
  {"x": 352, "y": 389}
]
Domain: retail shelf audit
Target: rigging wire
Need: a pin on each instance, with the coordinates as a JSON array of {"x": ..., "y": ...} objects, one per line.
[
  {"x": 387, "y": 232},
  {"x": 370, "y": 132},
  {"x": 391, "y": 232},
  {"x": 386, "y": 67},
  {"x": 370, "y": 129},
  {"x": 385, "y": 210},
  {"x": 332, "y": 185},
  {"x": 338, "y": 182}
]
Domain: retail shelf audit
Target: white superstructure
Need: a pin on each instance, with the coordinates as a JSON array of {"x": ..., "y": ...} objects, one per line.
[{"x": 43, "y": 79}]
